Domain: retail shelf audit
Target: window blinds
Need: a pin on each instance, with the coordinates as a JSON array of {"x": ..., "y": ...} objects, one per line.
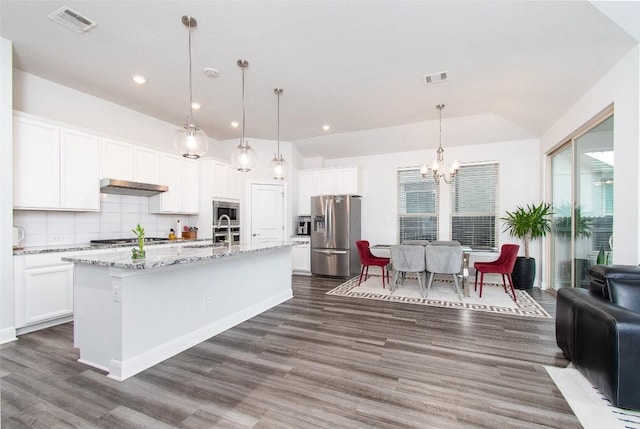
[
  {"x": 417, "y": 206},
  {"x": 474, "y": 205}
]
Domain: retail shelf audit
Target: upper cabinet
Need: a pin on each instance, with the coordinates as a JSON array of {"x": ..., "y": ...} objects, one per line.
[
  {"x": 55, "y": 168},
  {"x": 326, "y": 181},
  {"x": 181, "y": 176},
  {"x": 226, "y": 181},
  {"x": 117, "y": 160},
  {"x": 146, "y": 166}
]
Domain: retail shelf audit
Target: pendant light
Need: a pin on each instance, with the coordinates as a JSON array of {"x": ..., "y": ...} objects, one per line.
[
  {"x": 278, "y": 165},
  {"x": 244, "y": 157},
  {"x": 438, "y": 165},
  {"x": 190, "y": 140}
]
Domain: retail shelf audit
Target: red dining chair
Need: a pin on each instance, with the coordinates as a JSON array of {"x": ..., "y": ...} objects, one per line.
[
  {"x": 367, "y": 259},
  {"x": 503, "y": 265}
]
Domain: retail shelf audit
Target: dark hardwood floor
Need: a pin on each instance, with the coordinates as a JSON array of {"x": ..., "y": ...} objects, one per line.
[{"x": 316, "y": 361}]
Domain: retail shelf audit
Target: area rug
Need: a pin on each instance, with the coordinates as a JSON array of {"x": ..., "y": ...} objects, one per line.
[
  {"x": 592, "y": 409},
  {"x": 494, "y": 299}
]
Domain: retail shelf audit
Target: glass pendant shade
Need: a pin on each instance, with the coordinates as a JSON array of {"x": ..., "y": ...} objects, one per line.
[
  {"x": 243, "y": 157},
  {"x": 279, "y": 167},
  {"x": 191, "y": 141}
]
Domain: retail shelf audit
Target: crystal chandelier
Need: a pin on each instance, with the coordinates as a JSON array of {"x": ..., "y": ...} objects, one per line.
[
  {"x": 438, "y": 165},
  {"x": 244, "y": 157},
  {"x": 190, "y": 140},
  {"x": 278, "y": 165}
]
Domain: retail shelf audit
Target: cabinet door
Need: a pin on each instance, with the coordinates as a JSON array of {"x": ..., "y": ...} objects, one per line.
[
  {"x": 190, "y": 186},
  {"x": 346, "y": 181},
  {"x": 48, "y": 293},
  {"x": 146, "y": 166},
  {"x": 79, "y": 171},
  {"x": 172, "y": 177},
  {"x": 117, "y": 160},
  {"x": 306, "y": 190},
  {"x": 36, "y": 164},
  {"x": 301, "y": 258},
  {"x": 233, "y": 183},
  {"x": 325, "y": 182},
  {"x": 220, "y": 179}
]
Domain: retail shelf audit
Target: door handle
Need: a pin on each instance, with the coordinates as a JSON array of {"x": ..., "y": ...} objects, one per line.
[{"x": 255, "y": 235}]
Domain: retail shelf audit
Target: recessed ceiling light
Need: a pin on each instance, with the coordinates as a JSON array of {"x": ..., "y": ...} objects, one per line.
[
  {"x": 235, "y": 124},
  {"x": 326, "y": 127},
  {"x": 140, "y": 80},
  {"x": 195, "y": 106}
]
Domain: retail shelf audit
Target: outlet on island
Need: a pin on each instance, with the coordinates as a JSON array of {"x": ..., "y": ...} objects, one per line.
[{"x": 209, "y": 301}]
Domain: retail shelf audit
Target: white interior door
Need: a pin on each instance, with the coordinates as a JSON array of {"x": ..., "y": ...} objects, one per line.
[{"x": 267, "y": 213}]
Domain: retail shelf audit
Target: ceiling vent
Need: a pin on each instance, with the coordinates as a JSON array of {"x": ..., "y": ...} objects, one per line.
[
  {"x": 72, "y": 20},
  {"x": 435, "y": 78}
]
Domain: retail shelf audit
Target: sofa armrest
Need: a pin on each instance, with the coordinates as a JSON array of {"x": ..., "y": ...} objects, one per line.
[{"x": 607, "y": 348}]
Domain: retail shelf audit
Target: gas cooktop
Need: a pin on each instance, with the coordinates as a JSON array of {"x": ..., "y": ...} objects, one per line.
[{"x": 130, "y": 240}]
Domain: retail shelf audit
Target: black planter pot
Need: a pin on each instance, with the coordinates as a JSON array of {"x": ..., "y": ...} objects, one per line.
[{"x": 524, "y": 272}]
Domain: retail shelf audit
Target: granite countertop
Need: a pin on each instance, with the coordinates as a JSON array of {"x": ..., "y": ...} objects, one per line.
[
  {"x": 164, "y": 256},
  {"x": 36, "y": 250}
]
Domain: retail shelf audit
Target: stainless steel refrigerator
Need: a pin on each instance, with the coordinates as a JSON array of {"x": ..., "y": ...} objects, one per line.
[{"x": 335, "y": 228}]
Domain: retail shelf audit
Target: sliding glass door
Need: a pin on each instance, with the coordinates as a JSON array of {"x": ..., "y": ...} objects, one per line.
[{"x": 582, "y": 197}]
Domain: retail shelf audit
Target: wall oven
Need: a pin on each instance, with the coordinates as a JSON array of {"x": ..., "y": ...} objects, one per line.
[{"x": 220, "y": 234}]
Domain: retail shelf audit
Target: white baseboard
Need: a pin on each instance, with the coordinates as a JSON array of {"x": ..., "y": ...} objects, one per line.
[
  {"x": 7, "y": 335},
  {"x": 120, "y": 371}
]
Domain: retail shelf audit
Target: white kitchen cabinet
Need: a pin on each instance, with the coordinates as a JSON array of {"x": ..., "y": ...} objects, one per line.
[
  {"x": 43, "y": 290},
  {"x": 55, "y": 168},
  {"x": 306, "y": 189},
  {"x": 146, "y": 166},
  {"x": 182, "y": 178},
  {"x": 326, "y": 181},
  {"x": 36, "y": 167},
  {"x": 226, "y": 181},
  {"x": 117, "y": 160},
  {"x": 301, "y": 258},
  {"x": 79, "y": 170}
]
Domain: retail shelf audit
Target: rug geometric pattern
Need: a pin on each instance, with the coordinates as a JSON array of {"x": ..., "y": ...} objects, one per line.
[{"x": 494, "y": 299}]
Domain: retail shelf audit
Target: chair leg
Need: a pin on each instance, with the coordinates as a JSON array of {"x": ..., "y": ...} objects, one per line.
[
  {"x": 504, "y": 284},
  {"x": 429, "y": 284},
  {"x": 361, "y": 273},
  {"x": 420, "y": 282},
  {"x": 513, "y": 291},
  {"x": 366, "y": 273},
  {"x": 456, "y": 286},
  {"x": 475, "y": 286},
  {"x": 383, "y": 276},
  {"x": 481, "y": 282},
  {"x": 392, "y": 285}
]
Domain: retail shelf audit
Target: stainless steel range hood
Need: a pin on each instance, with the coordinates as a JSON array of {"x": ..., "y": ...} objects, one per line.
[{"x": 125, "y": 187}]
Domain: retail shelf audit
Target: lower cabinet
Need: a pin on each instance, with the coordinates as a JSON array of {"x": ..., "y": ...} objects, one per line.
[
  {"x": 43, "y": 291},
  {"x": 301, "y": 258}
]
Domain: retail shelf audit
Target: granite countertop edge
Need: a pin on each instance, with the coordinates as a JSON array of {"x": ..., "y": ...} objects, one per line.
[
  {"x": 177, "y": 255},
  {"x": 36, "y": 250}
]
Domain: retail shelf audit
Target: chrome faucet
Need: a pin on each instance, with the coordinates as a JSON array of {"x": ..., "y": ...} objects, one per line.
[{"x": 228, "y": 226}]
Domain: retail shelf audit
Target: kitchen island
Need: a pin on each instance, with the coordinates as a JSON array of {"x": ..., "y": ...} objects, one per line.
[{"x": 130, "y": 315}]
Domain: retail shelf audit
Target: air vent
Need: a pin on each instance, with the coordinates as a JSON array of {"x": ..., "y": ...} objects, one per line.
[
  {"x": 435, "y": 78},
  {"x": 72, "y": 20}
]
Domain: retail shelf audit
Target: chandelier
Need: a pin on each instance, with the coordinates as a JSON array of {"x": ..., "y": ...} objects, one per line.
[
  {"x": 278, "y": 164},
  {"x": 244, "y": 157},
  {"x": 190, "y": 140},
  {"x": 438, "y": 165}
]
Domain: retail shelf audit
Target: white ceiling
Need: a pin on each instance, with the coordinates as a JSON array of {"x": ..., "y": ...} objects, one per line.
[{"x": 355, "y": 65}]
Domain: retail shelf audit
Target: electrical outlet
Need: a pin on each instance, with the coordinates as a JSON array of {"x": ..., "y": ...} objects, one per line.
[
  {"x": 55, "y": 239},
  {"x": 116, "y": 294},
  {"x": 209, "y": 301}
]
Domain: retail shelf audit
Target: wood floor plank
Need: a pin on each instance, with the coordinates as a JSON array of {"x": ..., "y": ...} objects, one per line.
[{"x": 315, "y": 361}]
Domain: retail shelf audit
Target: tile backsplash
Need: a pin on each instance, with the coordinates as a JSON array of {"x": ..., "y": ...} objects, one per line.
[{"x": 118, "y": 215}]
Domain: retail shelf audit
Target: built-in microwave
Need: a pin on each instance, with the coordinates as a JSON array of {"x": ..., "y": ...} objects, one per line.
[{"x": 226, "y": 208}]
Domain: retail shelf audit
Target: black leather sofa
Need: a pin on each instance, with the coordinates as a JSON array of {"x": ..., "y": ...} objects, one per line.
[{"x": 598, "y": 329}]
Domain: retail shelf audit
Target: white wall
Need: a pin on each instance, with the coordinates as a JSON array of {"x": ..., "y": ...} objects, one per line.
[
  {"x": 519, "y": 183},
  {"x": 619, "y": 86},
  {"x": 7, "y": 330}
]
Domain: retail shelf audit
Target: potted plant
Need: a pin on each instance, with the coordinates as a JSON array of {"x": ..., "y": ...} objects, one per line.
[
  {"x": 527, "y": 223},
  {"x": 138, "y": 252}
]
